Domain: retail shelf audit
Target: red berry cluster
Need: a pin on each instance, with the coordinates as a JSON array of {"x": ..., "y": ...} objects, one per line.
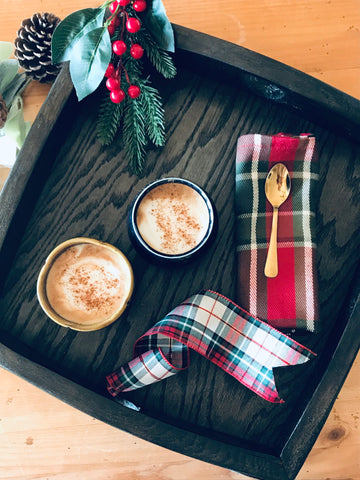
[{"x": 122, "y": 21}]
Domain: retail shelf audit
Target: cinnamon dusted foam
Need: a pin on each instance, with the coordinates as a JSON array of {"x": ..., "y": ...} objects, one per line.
[
  {"x": 172, "y": 218},
  {"x": 88, "y": 283}
]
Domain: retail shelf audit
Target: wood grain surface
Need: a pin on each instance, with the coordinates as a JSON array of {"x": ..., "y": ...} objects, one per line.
[{"x": 42, "y": 437}]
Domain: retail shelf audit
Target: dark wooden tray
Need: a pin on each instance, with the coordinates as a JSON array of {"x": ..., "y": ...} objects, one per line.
[{"x": 65, "y": 185}]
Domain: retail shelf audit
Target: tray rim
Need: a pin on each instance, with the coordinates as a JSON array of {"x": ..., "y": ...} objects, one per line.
[{"x": 292, "y": 457}]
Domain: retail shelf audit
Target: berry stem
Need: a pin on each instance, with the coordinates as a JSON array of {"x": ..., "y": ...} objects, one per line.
[
  {"x": 126, "y": 75},
  {"x": 124, "y": 18},
  {"x": 118, "y": 71}
]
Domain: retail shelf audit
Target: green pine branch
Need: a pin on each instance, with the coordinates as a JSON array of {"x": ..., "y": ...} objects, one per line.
[
  {"x": 134, "y": 135},
  {"x": 139, "y": 121},
  {"x": 109, "y": 120},
  {"x": 159, "y": 58},
  {"x": 154, "y": 113}
]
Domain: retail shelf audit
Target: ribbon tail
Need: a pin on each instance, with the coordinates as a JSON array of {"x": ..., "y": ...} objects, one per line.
[
  {"x": 263, "y": 385},
  {"x": 263, "y": 382}
]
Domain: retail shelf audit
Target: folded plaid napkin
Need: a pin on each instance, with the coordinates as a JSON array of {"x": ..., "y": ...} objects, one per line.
[
  {"x": 288, "y": 301},
  {"x": 214, "y": 326}
]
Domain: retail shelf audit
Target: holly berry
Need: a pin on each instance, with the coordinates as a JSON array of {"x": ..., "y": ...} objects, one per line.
[
  {"x": 123, "y": 3},
  {"x": 109, "y": 72},
  {"x": 139, "y": 5},
  {"x": 117, "y": 96},
  {"x": 111, "y": 29},
  {"x": 133, "y": 25},
  {"x": 115, "y": 21},
  {"x": 136, "y": 51},
  {"x": 112, "y": 83},
  {"x": 119, "y": 47},
  {"x": 113, "y": 6},
  {"x": 134, "y": 91}
]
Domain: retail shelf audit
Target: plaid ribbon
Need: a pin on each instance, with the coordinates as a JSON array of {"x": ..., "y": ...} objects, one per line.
[
  {"x": 214, "y": 326},
  {"x": 288, "y": 301}
]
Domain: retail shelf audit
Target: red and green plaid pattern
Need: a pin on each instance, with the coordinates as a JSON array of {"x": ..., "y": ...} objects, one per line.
[
  {"x": 214, "y": 326},
  {"x": 288, "y": 301}
]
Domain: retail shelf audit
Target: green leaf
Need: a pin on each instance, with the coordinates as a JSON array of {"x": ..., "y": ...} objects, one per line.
[
  {"x": 15, "y": 126},
  {"x": 160, "y": 26},
  {"x": 16, "y": 87},
  {"x": 6, "y": 49},
  {"x": 71, "y": 29},
  {"x": 89, "y": 60},
  {"x": 8, "y": 71}
]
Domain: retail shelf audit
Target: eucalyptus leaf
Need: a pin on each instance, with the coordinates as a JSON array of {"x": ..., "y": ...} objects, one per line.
[
  {"x": 6, "y": 49},
  {"x": 89, "y": 60},
  {"x": 8, "y": 71},
  {"x": 15, "y": 126},
  {"x": 16, "y": 87},
  {"x": 160, "y": 26},
  {"x": 70, "y": 30}
]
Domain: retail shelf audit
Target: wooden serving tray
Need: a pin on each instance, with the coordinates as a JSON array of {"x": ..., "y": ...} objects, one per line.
[{"x": 64, "y": 184}]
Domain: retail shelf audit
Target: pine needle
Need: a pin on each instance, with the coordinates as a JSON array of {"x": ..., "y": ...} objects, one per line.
[
  {"x": 159, "y": 58},
  {"x": 108, "y": 121},
  {"x": 134, "y": 136},
  {"x": 154, "y": 113}
]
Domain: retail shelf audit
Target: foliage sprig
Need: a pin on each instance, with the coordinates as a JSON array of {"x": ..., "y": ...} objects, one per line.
[{"x": 108, "y": 43}]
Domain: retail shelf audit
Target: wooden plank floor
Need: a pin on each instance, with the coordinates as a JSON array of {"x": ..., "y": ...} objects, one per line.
[{"x": 43, "y": 438}]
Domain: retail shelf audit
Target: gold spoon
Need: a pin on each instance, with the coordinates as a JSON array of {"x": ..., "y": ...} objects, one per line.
[{"x": 277, "y": 189}]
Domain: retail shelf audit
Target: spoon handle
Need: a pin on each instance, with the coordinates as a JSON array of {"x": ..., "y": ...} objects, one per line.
[{"x": 271, "y": 265}]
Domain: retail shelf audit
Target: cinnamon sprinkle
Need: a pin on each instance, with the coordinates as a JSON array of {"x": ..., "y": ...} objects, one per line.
[
  {"x": 172, "y": 218},
  {"x": 88, "y": 293},
  {"x": 186, "y": 225}
]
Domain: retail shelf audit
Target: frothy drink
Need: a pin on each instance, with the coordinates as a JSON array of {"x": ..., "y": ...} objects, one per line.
[
  {"x": 172, "y": 218},
  {"x": 88, "y": 283}
]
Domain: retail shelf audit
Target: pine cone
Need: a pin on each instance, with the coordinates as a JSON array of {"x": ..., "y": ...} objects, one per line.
[
  {"x": 3, "y": 112},
  {"x": 33, "y": 46}
]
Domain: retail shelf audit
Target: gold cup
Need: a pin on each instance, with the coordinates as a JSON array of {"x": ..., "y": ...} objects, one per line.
[{"x": 66, "y": 320}]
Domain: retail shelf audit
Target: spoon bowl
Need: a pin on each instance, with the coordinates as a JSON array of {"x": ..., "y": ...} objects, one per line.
[{"x": 277, "y": 190}]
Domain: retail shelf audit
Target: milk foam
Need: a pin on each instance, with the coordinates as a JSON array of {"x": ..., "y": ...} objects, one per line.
[
  {"x": 88, "y": 283},
  {"x": 172, "y": 218}
]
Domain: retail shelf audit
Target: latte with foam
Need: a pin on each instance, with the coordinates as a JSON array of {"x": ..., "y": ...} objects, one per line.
[
  {"x": 88, "y": 282},
  {"x": 172, "y": 218}
]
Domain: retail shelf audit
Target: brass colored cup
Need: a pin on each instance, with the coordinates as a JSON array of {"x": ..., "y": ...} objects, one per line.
[{"x": 42, "y": 279}]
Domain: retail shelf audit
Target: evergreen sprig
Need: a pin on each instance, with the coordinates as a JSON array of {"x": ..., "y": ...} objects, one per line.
[
  {"x": 117, "y": 35},
  {"x": 154, "y": 114},
  {"x": 140, "y": 121},
  {"x": 109, "y": 119},
  {"x": 134, "y": 135},
  {"x": 159, "y": 58}
]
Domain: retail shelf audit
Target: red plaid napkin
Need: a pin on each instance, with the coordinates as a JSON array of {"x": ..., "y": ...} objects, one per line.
[
  {"x": 288, "y": 301},
  {"x": 214, "y": 326}
]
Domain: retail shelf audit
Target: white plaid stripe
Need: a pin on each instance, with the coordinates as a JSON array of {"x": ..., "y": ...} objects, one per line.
[
  {"x": 307, "y": 175},
  {"x": 309, "y": 292},
  {"x": 254, "y": 216},
  {"x": 241, "y": 248},
  {"x": 255, "y": 208},
  {"x": 309, "y": 259},
  {"x": 306, "y": 203}
]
